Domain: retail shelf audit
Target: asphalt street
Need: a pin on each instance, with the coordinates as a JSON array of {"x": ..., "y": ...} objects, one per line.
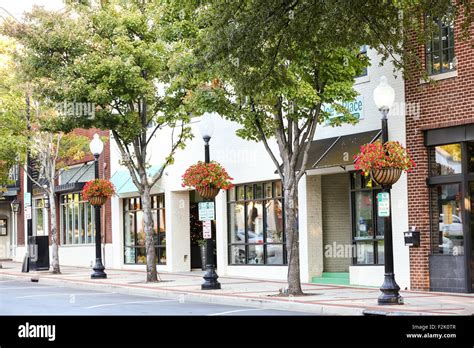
[{"x": 29, "y": 298}]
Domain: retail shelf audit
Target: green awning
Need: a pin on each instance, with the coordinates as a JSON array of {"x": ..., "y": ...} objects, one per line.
[
  {"x": 123, "y": 181},
  {"x": 338, "y": 151}
]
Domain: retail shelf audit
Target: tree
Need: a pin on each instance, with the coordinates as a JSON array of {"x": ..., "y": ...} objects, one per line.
[
  {"x": 22, "y": 120},
  {"x": 128, "y": 58},
  {"x": 52, "y": 153},
  {"x": 279, "y": 61}
]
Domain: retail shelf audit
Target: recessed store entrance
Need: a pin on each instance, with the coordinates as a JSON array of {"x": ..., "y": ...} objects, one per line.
[
  {"x": 195, "y": 228},
  {"x": 451, "y": 181}
]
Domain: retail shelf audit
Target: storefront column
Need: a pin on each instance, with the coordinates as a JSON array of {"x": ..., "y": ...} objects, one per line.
[
  {"x": 310, "y": 227},
  {"x": 221, "y": 233},
  {"x": 177, "y": 231}
]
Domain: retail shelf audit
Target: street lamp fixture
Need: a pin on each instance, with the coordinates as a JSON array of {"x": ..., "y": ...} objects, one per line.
[
  {"x": 15, "y": 205},
  {"x": 46, "y": 202},
  {"x": 384, "y": 97},
  {"x": 206, "y": 128},
  {"x": 97, "y": 146}
]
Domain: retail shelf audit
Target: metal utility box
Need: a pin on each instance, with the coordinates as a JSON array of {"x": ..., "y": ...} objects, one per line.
[{"x": 412, "y": 238}]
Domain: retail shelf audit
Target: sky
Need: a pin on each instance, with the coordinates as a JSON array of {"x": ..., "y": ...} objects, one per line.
[{"x": 17, "y": 7}]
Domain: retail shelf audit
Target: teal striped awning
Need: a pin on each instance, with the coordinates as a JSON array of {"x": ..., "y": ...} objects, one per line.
[{"x": 123, "y": 181}]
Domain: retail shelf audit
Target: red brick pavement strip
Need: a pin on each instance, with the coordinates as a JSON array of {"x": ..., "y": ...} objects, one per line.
[
  {"x": 362, "y": 298},
  {"x": 276, "y": 299},
  {"x": 270, "y": 291}
]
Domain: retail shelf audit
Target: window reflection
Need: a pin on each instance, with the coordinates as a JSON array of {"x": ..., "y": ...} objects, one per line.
[
  {"x": 447, "y": 220},
  {"x": 363, "y": 213},
  {"x": 445, "y": 159},
  {"x": 256, "y": 232}
]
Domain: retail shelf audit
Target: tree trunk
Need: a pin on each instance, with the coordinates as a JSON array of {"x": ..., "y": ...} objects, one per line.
[
  {"x": 151, "y": 273},
  {"x": 290, "y": 187},
  {"x": 54, "y": 235}
]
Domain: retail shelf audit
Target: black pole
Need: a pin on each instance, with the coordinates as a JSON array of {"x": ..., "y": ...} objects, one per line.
[
  {"x": 210, "y": 276},
  {"x": 99, "y": 267},
  {"x": 29, "y": 189},
  {"x": 390, "y": 289}
]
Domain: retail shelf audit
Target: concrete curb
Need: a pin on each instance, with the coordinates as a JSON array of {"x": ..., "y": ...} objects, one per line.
[{"x": 183, "y": 296}]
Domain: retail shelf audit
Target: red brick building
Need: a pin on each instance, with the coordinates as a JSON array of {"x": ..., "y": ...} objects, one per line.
[
  {"x": 74, "y": 217},
  {"x": 441, "y": 139}
]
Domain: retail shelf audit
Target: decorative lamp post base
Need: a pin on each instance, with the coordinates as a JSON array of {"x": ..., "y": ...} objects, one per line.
[
  {"x": 390, "y": 291},
  {"x": 98, "y": 270},
  {"x": 210, "y": 279}
]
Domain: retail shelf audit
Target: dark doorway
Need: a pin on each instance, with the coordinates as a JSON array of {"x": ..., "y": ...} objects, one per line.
[{"x": 196, "y": 231}]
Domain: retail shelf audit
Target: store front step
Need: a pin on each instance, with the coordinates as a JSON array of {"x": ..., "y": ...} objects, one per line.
[{"x": 339, "y": 278}]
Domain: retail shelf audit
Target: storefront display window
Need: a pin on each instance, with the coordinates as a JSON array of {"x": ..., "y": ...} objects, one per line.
[
  {"x": 368, "y": 228},
  {"x": 134, "y": 230},
  {"x": 447, "y": 227},
  {"x": 77, "y": 220},
  {"x": 256, "y": 233}
]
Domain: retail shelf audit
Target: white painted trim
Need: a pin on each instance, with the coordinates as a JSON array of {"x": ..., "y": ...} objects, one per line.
[
  {"x": 362, "y": 79},
  {"x": 438, "y": 77}
]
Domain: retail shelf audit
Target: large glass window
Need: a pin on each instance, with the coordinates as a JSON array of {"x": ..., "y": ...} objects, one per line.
[
  {"x": 368, "y": 228},
  {"x": 134, "y": 230},
  {"x": 445, "y": 159},
  {"x": 446, "y": 220},
  {"x": 440, "y": 47},
  {"x": 77, "y": 220},
  {"x": 256, "y": 228}
]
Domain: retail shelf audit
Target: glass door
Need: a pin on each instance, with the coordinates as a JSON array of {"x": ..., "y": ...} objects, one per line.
[{"x": 471, "y": 231}]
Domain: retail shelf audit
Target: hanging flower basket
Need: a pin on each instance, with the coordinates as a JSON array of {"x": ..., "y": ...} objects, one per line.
[
  {"x": 97, "y": 191},
  {"x": 207, "y": 192},
  {"x": 97, "y": 200},
  {"x": 207, "y": 178},
  {"x": 383, "y": 162},
  {"x": 386, "y": 176}
]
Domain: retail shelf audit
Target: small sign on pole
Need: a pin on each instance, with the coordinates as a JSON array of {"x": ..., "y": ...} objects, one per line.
[
  {"x": 206, "y": 230},
  {"x": 206, "y": 211},
  {"x": 27, "y": 199},
  {"x": 383, "y": 199},
  {"x": 28, "y": 212}
]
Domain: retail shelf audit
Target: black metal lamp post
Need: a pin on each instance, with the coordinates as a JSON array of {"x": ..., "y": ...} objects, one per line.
[
  {"x": 96, "y": 147},
  {"x": 384, "y": 96},
  {"x": 206, "y": 127}
]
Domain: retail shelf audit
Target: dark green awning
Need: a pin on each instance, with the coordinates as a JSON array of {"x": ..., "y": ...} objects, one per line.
[{"x": 338, "y": 151}]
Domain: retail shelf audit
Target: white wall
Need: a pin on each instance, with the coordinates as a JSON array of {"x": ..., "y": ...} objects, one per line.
[{"x": 249, "y": 162}]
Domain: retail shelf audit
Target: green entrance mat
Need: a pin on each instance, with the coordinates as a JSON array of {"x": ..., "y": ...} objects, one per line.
[{"x": 338, "y": 278}]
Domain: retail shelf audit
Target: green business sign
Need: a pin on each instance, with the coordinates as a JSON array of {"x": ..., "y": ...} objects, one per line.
[{"x": 355, "y": 108}]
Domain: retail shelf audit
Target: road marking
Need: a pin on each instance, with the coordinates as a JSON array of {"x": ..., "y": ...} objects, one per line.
[
  {"x": 29, "y": 287},
  {"x": 124, "y": 303},
  {"x": 8, "y": 281},
  {"x": 237, "y": 310},
  {"x": 63, "y": 294}
]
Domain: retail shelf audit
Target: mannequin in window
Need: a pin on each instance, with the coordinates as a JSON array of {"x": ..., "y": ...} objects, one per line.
[
  {"x": 252, "y": 215},
  {"x": 274, "y": 219}
]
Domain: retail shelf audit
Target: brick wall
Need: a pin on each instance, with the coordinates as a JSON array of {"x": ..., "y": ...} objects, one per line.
[
  {"x": 336, "y": 219},
  {"x": 447, "y": 102}
]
